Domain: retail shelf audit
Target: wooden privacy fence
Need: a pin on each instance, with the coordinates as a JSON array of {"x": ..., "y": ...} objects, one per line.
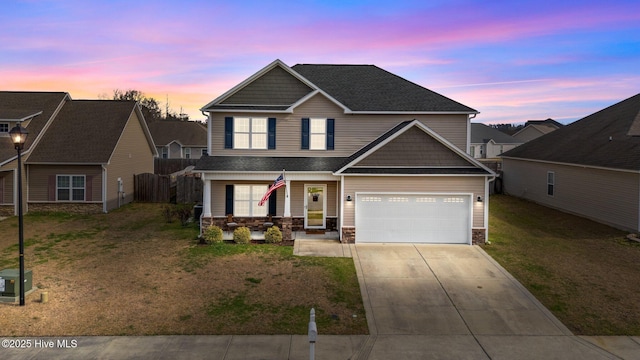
[
  {"x": 170, "y": 166},
  {"x": 160, "y": 189}
]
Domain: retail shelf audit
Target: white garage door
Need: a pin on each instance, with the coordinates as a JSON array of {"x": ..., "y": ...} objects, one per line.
[{"x": 413, "y": 218}]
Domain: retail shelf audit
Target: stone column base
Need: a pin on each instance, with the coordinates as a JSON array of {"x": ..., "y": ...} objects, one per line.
[
  {"x": 287, "y": 226},
  {"x": 348, "y": 235},
  {"x": 478, "y": 236}
]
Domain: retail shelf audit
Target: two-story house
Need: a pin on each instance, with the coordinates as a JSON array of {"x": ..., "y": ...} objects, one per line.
[
  {"x": 179, "y": 139},
  {"x": 364, "y": 152}
]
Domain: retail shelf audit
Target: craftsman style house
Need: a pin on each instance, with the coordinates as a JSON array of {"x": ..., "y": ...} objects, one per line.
[
  {"x": 363, "y": 152},
  {"x": 80, "y": 155}
]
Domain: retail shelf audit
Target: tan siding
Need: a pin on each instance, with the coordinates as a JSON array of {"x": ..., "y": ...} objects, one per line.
[
  {"x": 610, "y": 197},
  {"x": 132, "y": 155},
  {"x": 474, "y": 185},
  {"x": 6, "y": 182},
  {"x": 39, "y": 179},
  {"x": 352, "y": 132}
]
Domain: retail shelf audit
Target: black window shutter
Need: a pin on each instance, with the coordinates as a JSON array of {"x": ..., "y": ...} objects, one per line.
[
  {"x": 305, "y": 133},
  {"x": 272, "y": 203},
  {"x": 228, "y": 209},
  {"x": 330, "y": 133},
  {"x": 271, "y": 136},
  {"x": 228, "y": 133}
]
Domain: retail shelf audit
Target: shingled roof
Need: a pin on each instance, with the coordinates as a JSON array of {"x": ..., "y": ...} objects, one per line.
[
  {"x": 370, "y": 88},
  {"x": 16, "y": 105},
  {"x": 187, "y": 133},
  {"x": 601, "y": 139},
  {"x": 358, "y": 88},
  {"x": 85, "y": 131},
  {"x": 481, "y": 134}
]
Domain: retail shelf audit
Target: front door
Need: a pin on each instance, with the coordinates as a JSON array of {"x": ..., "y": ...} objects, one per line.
[{"x": 315, "y": 207}]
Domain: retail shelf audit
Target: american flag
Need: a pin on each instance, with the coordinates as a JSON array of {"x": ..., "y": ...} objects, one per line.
[{"x": 276, "y": 184}]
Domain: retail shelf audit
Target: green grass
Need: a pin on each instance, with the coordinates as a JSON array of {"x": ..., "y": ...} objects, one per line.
[{"x": 584, "y": 272}]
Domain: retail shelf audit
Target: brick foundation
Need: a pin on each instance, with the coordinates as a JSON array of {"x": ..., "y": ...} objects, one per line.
[
  {"x": 257, "y": 223},
  {"x": 348, "y": 235},
  {"x": 73, "y": 208},
  {"x": 478, "y": 236}
]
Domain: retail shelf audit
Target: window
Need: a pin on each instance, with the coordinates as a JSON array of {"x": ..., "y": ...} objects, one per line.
[
  {"x": 246, "y": 198},
  {"x": 165, "y": 152},
  {"x": 187, "y": 153},
  {"x": 551, "y": 180},
  {"x": 249, "y": 133},
  {"x": 70, "y": 188},
  {"x": 473, "y": 151},
  {"x": 317, "y": 134},
  {"x": 204, "y": 152},
  {"x": 4, "y": 128}
]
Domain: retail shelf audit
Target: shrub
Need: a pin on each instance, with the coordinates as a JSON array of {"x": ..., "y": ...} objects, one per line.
[
  {"x": 184, "y": 213},
  {"x": 273, "y": 235},
  {"x": 242, "y": 235},
  {"x": 168, "y": 212},
  {"x": 213, "y": 234}
]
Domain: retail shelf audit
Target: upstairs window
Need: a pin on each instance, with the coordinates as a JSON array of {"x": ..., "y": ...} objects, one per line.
[
  {"x": 551, "y": 181},
  {"x": 318, "y": 134},
  {"x": 249, "y": 133},
  {"x": 165, "y": 152},
  {"x": 187, "y": 153}
]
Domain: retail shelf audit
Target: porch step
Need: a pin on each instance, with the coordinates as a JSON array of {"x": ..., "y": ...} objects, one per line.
[{"x": 315, "y": 231}]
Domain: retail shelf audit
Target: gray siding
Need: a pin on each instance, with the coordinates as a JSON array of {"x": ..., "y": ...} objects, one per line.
[
  {"x": 6, "y": 187},
  {"x": 276, "y": 87},
  {"x": 416, "y": 184},
  {"x": 39, "y": 179},
  {"x": 608, "y": 196},
  {"x": 352, "y": 131}
]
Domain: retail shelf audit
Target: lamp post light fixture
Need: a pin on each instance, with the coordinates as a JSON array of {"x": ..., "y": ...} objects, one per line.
[{"x": 18, "y": 137}]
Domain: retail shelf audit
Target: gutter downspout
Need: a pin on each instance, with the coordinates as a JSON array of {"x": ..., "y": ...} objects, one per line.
[
  {"x": 486, "y": 208},
  {"x": 104, "y": 189}
]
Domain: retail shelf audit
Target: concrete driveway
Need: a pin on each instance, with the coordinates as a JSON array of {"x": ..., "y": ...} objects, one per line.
[{"x": 454, "y": 301}]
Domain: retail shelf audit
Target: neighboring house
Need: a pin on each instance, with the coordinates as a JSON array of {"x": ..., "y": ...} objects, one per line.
[
  {"x": 365, "y": 153},
  {"x": 179, "y": 139},
  {"x": 536, "y": 128},
  {"x": 80, "y": 155},
  {"x": 590, "y": 167},
  {"x": 489, "y": 143}
]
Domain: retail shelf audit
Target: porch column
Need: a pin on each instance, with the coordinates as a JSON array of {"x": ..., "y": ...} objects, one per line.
[
  {"x": 287, "y": 200},
  {"x": 206, "y": 197},
  {"x": 287, "y": 222}
]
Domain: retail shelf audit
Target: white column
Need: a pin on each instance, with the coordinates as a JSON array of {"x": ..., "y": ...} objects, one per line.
[
  {"x": 206, "y": 197},
  {"x": 287, "y": 199}
]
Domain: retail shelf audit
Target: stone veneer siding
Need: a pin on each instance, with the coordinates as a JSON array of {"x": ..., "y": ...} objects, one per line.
[
  {"x": 478, "y": 236},
  {"x": 7, "y": 210},
  {"x": 74, "y": 208},
  {"x": 257, "y": 223},
  {"x": 348, "y": 235}
]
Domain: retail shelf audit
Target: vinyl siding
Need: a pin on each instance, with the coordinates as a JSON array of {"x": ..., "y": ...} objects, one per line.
[
  {"x": 416, "y": 184},
  {"x": 6, "y": 182},
  {"x": 132, "y": 155},
  {"x": 39, "y": 179},
  {"x": 352, "y": 131},
  {"x": 607, "y": 196},
  {"x": 296, "y": 191}
]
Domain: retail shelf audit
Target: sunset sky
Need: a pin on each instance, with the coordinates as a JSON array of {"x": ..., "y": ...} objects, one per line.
[{"x": 511, "y": 60}]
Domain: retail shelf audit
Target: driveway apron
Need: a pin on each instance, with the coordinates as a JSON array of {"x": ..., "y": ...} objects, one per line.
[{"x": 455, "y": 301}]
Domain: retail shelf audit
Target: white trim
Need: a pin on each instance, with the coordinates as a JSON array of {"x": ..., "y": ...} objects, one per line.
[
  {"x": 572, "y": 164},
  {"x": 71, "y": 187},
  {"x": 23, "y": 118}
]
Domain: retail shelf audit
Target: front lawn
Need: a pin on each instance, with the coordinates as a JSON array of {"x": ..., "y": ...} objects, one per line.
[
  {"x": 130, "y": 272},
  {"x": 586, "y": 273}
]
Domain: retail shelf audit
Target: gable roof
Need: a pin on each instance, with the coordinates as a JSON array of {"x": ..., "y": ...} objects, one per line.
[
  {"x": 547, "y": 122},
  {"x": 85, "y": 132},
  {"x": 355, "y": 88},
  {"x": 601, "y": 139},
  {"x": 434, "y": 156},
  {"x": 20, "y": 105},
  {"x": 187, "y": 133},
  {"x": 482, "y": 134}
]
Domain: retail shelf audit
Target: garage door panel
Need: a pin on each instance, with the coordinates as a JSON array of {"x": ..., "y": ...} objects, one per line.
[{"x": 413, "y": 218}]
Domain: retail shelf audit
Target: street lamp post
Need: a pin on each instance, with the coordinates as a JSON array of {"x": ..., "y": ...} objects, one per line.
[{"x": 18, "y": 136}]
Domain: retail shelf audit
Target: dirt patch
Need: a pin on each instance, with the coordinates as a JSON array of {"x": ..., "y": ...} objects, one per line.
[{"x": 131, "y": 273}]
